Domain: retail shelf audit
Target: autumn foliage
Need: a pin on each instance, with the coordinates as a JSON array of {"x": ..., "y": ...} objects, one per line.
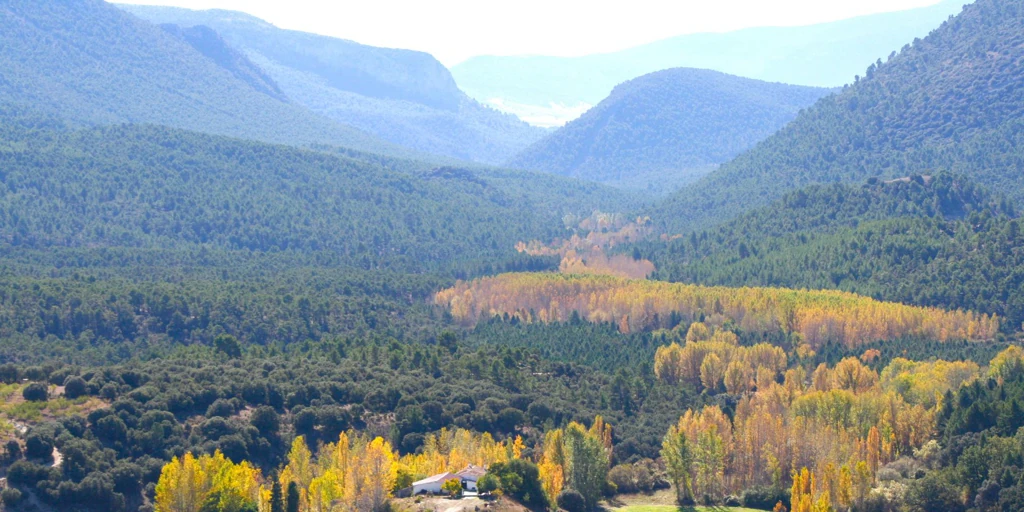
[
  {"x": 587, "y": 254},
  {"x": 209, "y": 482},
  {"x": 576, "y": 458},
  {"x": 824, "y": 435},
  {"x": 817, "y": 316},
  {"x": 357, "y": 473}
]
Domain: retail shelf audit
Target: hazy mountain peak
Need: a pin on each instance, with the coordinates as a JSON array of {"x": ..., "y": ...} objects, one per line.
[
  {"x": 404, "y": 96},
  {"x": 668, "y": 128}
]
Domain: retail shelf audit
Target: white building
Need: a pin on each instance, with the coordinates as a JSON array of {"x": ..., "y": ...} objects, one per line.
[
  {"x": 432, "y": 485},
  {"x": 470, "y": 475}
]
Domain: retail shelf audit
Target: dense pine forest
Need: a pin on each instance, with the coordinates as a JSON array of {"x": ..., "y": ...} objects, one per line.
[
  {"x": 215, "y": 297},
  {"x": 927, "y": 240},
  {"x": 946, "y": 102}
]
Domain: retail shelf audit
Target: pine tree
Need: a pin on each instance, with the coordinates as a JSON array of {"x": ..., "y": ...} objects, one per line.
[
  {"x": 276, "y": 498},
  {"x": 293, "y": 498}
]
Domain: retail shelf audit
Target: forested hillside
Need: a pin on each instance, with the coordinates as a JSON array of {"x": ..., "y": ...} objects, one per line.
[
  {"x": 154, "y": 187},
  {"x": 91, "y": 63},
  {"x": 667, "y": 128},
  {"x": 214, "y": 47},
  {"x": 402, "y": 96},
  {"x": 933, "y": 241},
  {"x": 134, "y": 239},
  {"x": 951, "y": 101}
]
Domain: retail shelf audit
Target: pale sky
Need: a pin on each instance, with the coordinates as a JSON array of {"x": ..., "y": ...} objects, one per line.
[{"x": 454, "y": 30}]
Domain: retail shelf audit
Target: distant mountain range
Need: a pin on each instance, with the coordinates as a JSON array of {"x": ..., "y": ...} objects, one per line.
[
  {"x": 668, "y": 128},
  {"x": 91, "y": 63},
  {"x": 953, "y": 101},
  {"x": 553, "y": 90},
  {"x": 405, "y": 97}
]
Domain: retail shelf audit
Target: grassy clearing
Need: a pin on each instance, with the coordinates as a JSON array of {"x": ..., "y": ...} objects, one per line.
[
  {"x": 14, "y": 407},
  {"x": 661, "y": 501},
  {"x": 7, "y": 391}
]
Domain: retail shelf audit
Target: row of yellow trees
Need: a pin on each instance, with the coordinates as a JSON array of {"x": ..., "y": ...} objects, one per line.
[
  {"x": 356, "y": 473},
  {"x": 360, "y": 474},
  {"x": 818, "y": 316},
  {"x": 824, "y": 435}
]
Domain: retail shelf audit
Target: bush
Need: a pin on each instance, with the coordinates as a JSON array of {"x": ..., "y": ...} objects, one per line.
[
  {"x": 622, "y": 477},
  {"x": 520, "y": 479},
  {"x": 487, "y": 484},
  {"x": 74, "y": 387},
  {"x": 11, "y": 497},
  {"x": 38, "y": 447},
  {"x": 763, "y": 497},
  {"x": 27, "y": 474},
  {"x": 452, "y": 487},
  {"x": 266, "y": 420},
  {"x": 35, "y": 392},
  {"x": 127, "y": 477},
  {"x": 220, "y": 408},
  {"x": 571, "y": 501},
  {"x": 633, "y": 478},
  {"x": 403, "y": 478},
  {"x": 938, "y": 490},
  {"x": 12, "y": 451},
  {"x": 8, "y": 373},
  {"x": 109, "y": 391}
]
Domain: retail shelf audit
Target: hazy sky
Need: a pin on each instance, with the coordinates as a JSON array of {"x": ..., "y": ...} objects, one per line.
[{"x": 454, "y": 30}]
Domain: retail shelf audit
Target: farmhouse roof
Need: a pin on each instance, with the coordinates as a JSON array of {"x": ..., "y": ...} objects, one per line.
[
  {"x": 472, "y": 472},
  {"x": 436, "y": 478}
]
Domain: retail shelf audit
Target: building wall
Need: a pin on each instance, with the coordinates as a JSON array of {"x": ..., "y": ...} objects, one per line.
[{"x": 429, "y": 488}]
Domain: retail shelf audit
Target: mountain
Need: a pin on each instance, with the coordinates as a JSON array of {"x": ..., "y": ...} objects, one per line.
[
  {"x": 403, "y": 96},
  {"x": 149, "y": 187},
  {"x": 952, "y": 101},
  {"x": 928, "y": 240},
  {"x": 553, "y": 90},
  {"x": 668, "y": 128},
  {"x": 210, "y": 44},
  {"x": 94, "y": 64}
]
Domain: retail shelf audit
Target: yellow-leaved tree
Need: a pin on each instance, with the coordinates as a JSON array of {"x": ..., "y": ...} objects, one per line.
[{"x": 190, "y": 483}]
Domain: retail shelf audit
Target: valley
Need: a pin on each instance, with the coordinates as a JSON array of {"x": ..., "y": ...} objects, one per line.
[{"x": 246, "y": 268}]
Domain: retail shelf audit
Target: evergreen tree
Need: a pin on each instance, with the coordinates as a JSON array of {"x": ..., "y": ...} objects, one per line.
[
  {"x": 293, "y": 497},
  {"x": 276, "y": 499}
]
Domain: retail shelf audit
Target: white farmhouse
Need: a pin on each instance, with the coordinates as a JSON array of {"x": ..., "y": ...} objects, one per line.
[
  {"x": 470, "y": 475},
  {"x": 432, "y": 485}
]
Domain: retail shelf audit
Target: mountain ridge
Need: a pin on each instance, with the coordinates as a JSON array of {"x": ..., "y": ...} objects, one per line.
[
  {"x": 952, "y": 101},
  {"x": 821, "y": 55},
  {"x": 406, "y": 97},
  {"x": 91, "y": 63},
  {"x": 667, "y": 128}
]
